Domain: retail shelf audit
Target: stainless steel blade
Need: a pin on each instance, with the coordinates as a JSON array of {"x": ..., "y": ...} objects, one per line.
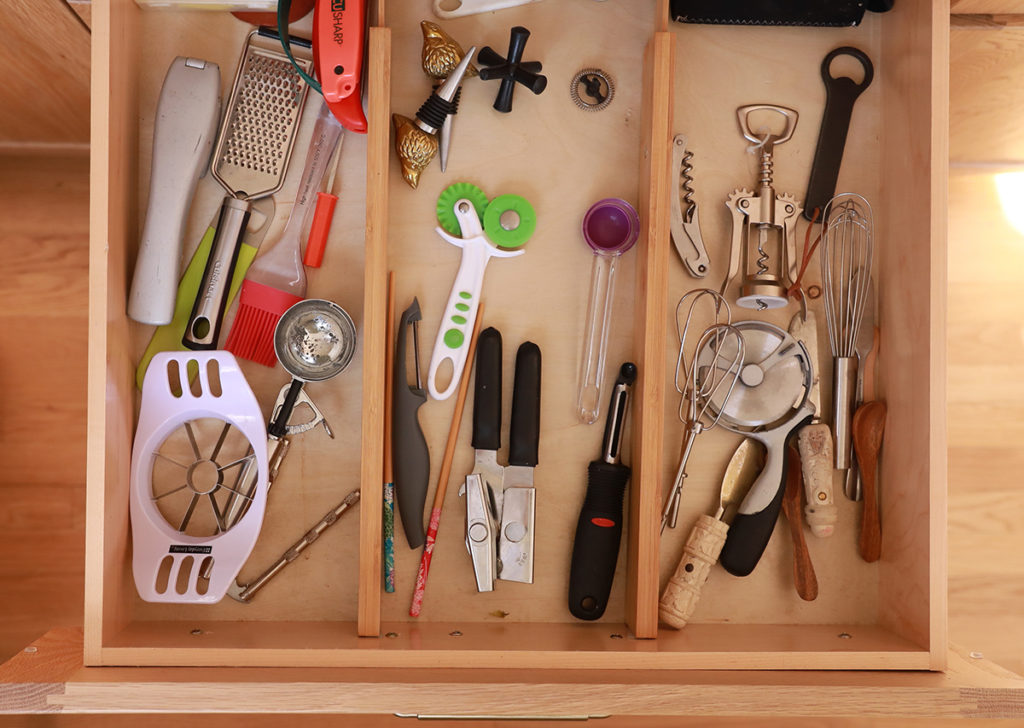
[{"x": 804, "y": 327}]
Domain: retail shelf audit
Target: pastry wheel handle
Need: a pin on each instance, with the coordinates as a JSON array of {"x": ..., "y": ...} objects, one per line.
[{"x": 460, "y": 312}]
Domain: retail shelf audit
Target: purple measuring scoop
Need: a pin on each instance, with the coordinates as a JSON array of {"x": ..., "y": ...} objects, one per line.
[{"x": 610, "y": 228}]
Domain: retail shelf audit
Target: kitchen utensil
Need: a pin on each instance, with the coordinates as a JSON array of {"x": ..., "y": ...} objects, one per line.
[
  {"x": 245, "y": 593},
  {"x": 815, "y": 440},
  {"x": 485, "y": 484},
  {"x": 803, "y": 570},
  {"x": 277, "y": 280},
  {"x": 684, "y": 223},
  {"x": 192, "y": 433},
  {"x": 595, "y": 549},
  {"x": 866, "y": 348},
  {"x": 460, "y": 312},
  {"x": 837, "y": 13},
  {"x": 610, "y": 227},
  {"x": 416, "y": 141},
  {"x": 840, "y": 95},
  {"x": 440, "y": 57},
  {"x": 442, "y": 480},
  {"x": 868, "y": 427},
  {"x": 168, "y": 337},
  {"x": 277, "y": 448},
  {"x": 694, "y": 398},
  {"x": 323, "y": 214},
  {"x": 510, "y": 69},
  {"x": 339, "y": 33},
  {"x": 501, "y": 501},
  {"x": 592, "y": 89},
  {"x": 314, "y": 340},
  {"x": 705, "y": 542},
  {"x": 339, "y": 43},
  {"x": 409, "y": 451},
  {"x": 183, "y": 134},
  {"x": 388, "y": 515},
  {"x": 846, "y": 247},
  {"x": 763, "y": 222},
  {"x": 443, "y": 10},
  {"x": 250, "y": 162},
  {"x": 769, "y": 403}
]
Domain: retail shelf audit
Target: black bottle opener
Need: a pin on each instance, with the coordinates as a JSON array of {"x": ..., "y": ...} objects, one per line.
[{"x": 841, "y": 93}]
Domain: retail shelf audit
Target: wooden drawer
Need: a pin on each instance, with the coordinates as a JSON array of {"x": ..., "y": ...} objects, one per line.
[{"x": 328, "y": 610}]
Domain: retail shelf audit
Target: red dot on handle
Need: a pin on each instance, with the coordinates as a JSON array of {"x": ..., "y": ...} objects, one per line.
[{"x": 602, "y": 522}]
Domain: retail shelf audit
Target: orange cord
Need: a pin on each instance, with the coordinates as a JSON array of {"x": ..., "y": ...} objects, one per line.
[{"x": 796, "y": 290}]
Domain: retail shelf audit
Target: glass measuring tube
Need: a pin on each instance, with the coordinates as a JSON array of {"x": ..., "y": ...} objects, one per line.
[{"x": 610, "y": 228}]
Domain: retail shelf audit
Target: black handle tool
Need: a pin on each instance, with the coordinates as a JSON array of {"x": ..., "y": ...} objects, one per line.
[
  {"x": 595, "y": 550},
  {"x": 840, "y": 95}
]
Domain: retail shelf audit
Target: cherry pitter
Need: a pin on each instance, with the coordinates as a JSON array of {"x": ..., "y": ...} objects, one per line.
[{"x": 484, "y": 229}]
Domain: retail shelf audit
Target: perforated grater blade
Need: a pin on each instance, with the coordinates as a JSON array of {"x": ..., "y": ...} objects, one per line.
[
  {"x": 250, "y": 161},
  {"x": 259, "y": 128}
]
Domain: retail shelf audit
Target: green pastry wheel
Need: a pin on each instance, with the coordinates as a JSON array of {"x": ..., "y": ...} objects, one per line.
[
  {"x": 446, "y": 205},
  {"x": 509, "y": 221}
]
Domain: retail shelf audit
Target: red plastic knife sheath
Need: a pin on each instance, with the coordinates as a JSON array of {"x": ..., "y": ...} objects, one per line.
[{"x": 339, "y": 38}]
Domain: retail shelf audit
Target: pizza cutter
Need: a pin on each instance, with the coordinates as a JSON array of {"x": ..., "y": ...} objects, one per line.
[{"x": 769, "y": 403}]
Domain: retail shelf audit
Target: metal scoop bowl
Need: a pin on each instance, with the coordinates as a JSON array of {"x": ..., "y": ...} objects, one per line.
[{"x": 314, "y": 341}]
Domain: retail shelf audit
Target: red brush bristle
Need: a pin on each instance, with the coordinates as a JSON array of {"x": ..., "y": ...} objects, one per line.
[{"x": 259, "y": 309}]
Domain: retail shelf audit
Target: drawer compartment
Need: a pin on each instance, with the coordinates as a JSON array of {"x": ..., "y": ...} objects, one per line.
[{"x": 328, "y": 609}]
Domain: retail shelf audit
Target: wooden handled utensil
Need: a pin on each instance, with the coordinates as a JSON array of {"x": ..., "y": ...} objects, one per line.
[
  {"x": 705, "y": 542},
  {"x": 803, "y": 570},
  {"x": 868, "y": 427}
]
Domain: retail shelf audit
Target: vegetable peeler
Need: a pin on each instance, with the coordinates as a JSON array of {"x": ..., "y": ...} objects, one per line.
[{"x": 409, "y": 450}]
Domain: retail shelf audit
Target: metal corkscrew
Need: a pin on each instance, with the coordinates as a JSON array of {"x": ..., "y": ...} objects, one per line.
[
  {"x": 763, "y": 240},
  {"x": 684, "y": 223}
]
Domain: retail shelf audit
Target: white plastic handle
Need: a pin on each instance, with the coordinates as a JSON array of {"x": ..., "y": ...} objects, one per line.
[
  {"x": 184, "y": 131},
  {"x": 459, "y": 316},
  {"x": 472, "y": 7},
  {"x": 456, "y": 327}
]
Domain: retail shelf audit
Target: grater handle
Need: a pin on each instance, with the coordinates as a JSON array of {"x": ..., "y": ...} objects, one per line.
[{"x": 203, "y": 330}]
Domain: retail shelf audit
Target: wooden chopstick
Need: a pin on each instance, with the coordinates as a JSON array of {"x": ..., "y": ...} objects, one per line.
[{"x": 446, "y": 469}]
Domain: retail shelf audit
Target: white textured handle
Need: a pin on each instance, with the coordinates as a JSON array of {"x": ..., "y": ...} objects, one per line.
[
  {"x": 183, "y": 134},
  {"x": 703, "y": 546},
  {"x": 459, "y": 316},
  {"x": 472, "y": 7},
  {"x": 815, "y": 444}
]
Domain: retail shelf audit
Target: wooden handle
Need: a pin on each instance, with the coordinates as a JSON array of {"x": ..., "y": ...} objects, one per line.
[
  {"x": 868, "y": 428},
  {"x": 804, "y": 578},
  {"x": 703, "y": 546},
  {"x": 815, "y": 442}
]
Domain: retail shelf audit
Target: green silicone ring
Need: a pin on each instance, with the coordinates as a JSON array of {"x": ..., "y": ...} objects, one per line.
[
  {"x": 446, "y": 205},
  {"x": 516, "y": 236}
]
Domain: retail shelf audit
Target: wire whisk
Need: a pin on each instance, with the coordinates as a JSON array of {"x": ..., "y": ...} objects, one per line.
[
  {"x": 698, "y": 386},
  {"x": 846, "y": 252}
]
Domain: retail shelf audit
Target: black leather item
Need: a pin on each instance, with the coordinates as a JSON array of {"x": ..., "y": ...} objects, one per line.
[{"x": 834, "y": 13}]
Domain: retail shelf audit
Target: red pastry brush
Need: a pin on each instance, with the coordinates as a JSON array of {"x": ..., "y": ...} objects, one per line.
[{"x": 276, "y": 280}]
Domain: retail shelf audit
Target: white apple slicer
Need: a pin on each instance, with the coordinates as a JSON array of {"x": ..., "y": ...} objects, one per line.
[{"x": 198, "y": 426}]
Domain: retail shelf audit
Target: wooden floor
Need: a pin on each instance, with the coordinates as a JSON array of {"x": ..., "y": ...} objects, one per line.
[{"x": 43, "y": 256}]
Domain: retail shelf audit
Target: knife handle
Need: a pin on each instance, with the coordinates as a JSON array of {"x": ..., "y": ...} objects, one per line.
[
  {"x": 700, "y": 553},
  {"x": 595, "y": 550},
  {"x": 524, "y": 435},
  {"x": 487, "y": 391},
  {"x": 815, "y": 444}
]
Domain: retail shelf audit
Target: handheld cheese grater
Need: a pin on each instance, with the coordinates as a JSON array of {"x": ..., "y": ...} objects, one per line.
[{"x": 255, "y": 145}]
